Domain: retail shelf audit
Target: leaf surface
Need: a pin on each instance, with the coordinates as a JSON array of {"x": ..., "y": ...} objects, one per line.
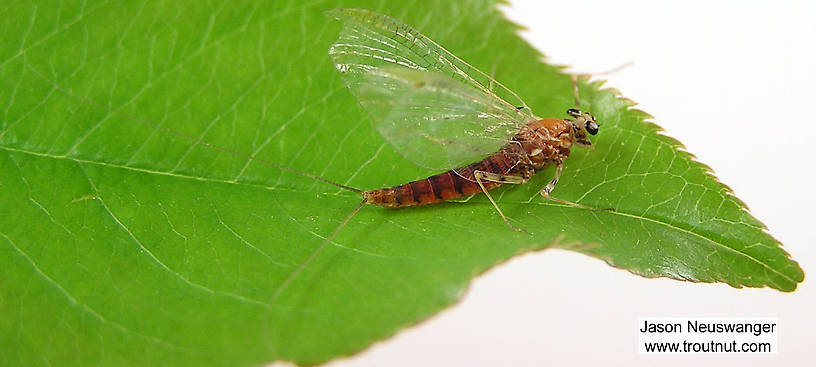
[{"x": 126, "y": 238}]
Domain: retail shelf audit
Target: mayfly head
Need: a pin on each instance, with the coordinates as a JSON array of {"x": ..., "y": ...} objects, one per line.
[{"x": 583, "y": 125}]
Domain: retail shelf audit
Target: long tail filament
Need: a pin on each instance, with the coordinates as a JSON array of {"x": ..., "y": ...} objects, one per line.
[{"x": 188, "y": 138}]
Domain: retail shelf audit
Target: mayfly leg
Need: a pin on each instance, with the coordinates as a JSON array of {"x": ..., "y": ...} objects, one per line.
[
  {"x": 492, "y": 75},
  {"x": 545, "y": 192},
  {"x": 576, "y": 100},
  {"x": 495, "y": 177},
  {"x": 615, "y": 69}
]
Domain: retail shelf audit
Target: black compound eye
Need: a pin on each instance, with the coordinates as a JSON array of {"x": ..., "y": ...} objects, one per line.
[
  {"x": 591, "y": 127},
  {"x": 573, "y": 112}
]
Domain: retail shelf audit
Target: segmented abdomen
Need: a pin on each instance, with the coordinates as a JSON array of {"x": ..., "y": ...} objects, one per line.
[{"x": 444, "y": 186}]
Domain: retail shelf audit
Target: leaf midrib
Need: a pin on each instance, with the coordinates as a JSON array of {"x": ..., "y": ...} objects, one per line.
[
  {"x": 273, "y": 188},
  {"x": 680, "y": 229}
]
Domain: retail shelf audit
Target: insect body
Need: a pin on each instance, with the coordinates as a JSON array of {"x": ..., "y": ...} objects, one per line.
[
  {"x": 541, "y": 144},
  {"x": 538, "y": 145}
]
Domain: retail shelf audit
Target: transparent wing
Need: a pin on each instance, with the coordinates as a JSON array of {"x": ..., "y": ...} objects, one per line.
[
  {"x": 435, "y": 109},
  {"x": 431, "y": 118}
]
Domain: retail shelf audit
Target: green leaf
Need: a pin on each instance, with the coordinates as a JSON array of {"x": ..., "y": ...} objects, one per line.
[{"x": 124, "y": 243}]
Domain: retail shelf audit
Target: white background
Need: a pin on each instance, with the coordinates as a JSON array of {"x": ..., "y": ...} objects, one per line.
[{"x": 733, "y": 81}]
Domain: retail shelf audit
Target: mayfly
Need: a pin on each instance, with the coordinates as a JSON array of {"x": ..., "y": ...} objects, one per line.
[
  {"x": 438, "y": 112},
  {"x": 443, "y": 114}
]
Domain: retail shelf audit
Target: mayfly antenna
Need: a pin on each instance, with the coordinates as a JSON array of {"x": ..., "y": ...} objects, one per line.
[
  {"x": 607, "y": 72},
  {"x": 188, "y": 138}
]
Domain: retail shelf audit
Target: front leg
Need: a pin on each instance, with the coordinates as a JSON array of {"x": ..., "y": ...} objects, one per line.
[{"x": 545, "y": 192}]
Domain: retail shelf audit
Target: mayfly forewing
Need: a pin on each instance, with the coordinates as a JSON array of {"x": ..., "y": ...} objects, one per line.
[
  {"x": 372, "y": 39},
  {"x": 432, "y": 107},
  {"x": 431, "y": 119}
]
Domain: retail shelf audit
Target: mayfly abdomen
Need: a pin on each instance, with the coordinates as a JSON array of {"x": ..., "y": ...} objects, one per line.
[{"x": 446, "y": 185}]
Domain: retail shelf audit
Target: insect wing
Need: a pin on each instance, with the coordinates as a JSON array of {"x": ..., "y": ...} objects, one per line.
[
  {"x": 428, "y": 104},
  {"x": 432, "y": 119}
]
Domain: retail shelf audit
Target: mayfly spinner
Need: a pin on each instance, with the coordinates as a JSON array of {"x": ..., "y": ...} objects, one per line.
[
  {"x": 438, "y": 112},
  {"x": 443, "y": 114}
]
